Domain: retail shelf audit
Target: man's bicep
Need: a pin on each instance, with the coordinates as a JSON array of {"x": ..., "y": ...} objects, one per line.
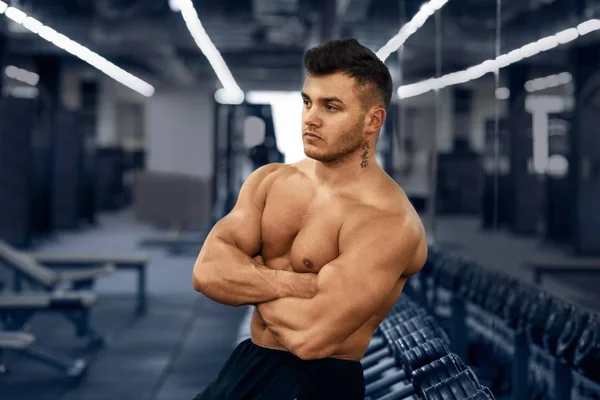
[
  {"x": 358, "y": 285},
  {"x": 241, "y": 227},
  {"x": 355, "y": 285}
]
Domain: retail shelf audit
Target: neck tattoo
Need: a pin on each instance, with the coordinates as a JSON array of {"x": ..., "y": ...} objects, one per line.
[{"x": 365, "y": 155}]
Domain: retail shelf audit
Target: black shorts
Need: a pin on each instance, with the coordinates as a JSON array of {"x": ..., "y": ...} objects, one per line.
[{"x": 256, "y": 373}]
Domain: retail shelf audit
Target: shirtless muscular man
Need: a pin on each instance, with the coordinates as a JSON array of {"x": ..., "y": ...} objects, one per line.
[{"x": 322, "y": 248}]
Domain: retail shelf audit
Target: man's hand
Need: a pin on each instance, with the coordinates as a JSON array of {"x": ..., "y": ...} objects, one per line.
[{"x": 305, "y": 286}]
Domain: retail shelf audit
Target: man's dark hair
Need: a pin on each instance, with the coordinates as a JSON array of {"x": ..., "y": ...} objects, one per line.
[{"x": 349, "y": 57}]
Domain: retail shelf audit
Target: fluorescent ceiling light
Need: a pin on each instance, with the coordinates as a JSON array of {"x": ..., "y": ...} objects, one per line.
[
  {"x": 477, "y": 71},
  {"x": 426, "y": 11},
  {"x": 190, "y": 16},
  {"x": 76, "y": 49}
]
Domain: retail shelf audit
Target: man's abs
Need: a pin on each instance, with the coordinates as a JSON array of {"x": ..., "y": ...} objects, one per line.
[{"x": 353, "y": 348}]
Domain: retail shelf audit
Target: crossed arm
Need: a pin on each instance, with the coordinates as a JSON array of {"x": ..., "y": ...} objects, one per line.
[
  {"x": 225, "y": 270},
  {"x": 310, "y": 315},
  {"x": 373, "y": 256}
]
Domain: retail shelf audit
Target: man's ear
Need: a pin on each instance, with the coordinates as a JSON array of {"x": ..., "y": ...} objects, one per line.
[{"x": 375, "y": 119}]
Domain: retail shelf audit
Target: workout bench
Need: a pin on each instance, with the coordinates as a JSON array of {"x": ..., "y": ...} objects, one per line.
[
  {"x": 13, "y": 341},
  {"x": 73, "y": 263},
  {"x": 16, "y": 309},
  {"x": 541, "y": 266}
]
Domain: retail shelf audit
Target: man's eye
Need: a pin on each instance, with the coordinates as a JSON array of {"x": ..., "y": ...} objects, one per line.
[{"x": 331, "y": 108}]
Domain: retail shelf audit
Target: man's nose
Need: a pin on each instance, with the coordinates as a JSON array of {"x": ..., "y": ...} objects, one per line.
[{"x": 311, "y": 117}]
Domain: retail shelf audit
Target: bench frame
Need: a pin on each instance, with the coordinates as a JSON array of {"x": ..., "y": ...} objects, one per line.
[
  {"x": 541, "y": 267},
  {"x": 139, "y": 264}
]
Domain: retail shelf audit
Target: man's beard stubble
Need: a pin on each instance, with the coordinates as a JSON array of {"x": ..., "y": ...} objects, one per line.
[{"x": 342, "y": 149}]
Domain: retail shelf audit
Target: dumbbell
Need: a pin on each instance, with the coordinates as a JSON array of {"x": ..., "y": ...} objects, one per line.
[
  {"x": 407, "y": 328},
  {"x": 484, "y": 288},
  {"x": 458, "y": 386},
  {"x": 483, "y": 393},
  {"x": 404, "y": 305},
  {"x": 560, "y": 314},
  {"x": 496, "y": 300},
  {"x": 412, "y": 360},
  {"x": 470, "y": 291},
  {"x": 400, "y": 317},
  {"x": 449, "y": 275},
  {"x": 512, "y": 309},
  {"x": 537, "y": 318},
  {"x": 396, "y": 317},
  {"x": 378, "y": 341},
  {"x": 528, "y": 301},
  {"x": 372, "y": 368},
  {"x": 587, "y": 352},
  {"x": 411, "y": 325},
  {"x": 569, "y": 337}
]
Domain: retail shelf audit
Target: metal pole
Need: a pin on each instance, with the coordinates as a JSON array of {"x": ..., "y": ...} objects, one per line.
[
  {"x": 496, "y": 163},
  {"x": 400, "y": 125},
  {"x": 431, "y": 212}
]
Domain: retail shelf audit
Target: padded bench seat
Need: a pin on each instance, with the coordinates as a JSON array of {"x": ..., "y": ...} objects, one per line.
[
  {"x": 51, "y": 301},
  {"x": 136, "y": 262},
  {"x": 16, "y": 340}
]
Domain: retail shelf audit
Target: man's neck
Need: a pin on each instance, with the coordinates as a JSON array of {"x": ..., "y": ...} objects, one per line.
[{"x": 349, "y": 170}]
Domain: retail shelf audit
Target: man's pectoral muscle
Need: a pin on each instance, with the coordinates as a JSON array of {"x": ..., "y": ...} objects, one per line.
[
  {"x": 373, "y": 256},
  {"x": 225, "y": 271}
]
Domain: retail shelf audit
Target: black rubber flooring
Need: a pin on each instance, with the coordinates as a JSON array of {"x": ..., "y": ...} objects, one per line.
[{"x": 171, "y": 353}]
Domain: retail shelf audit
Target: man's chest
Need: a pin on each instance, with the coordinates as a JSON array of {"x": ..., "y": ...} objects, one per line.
[{"x": 301, "y": 229}]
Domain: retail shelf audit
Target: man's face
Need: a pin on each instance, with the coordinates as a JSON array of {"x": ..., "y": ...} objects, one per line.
[{"x": 333, "y": 114}]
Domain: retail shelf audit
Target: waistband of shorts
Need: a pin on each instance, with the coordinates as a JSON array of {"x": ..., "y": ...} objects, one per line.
[{"x": 328, "y": 360}]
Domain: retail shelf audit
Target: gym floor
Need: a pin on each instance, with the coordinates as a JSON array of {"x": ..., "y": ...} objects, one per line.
[{"x": 178, "y": 347}]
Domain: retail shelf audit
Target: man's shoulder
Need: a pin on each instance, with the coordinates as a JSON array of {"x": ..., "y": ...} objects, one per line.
[
  {"x": 388, "y": 220},
  {"x": 266, "y": 174},
  {"x": 394, "y": 219}
]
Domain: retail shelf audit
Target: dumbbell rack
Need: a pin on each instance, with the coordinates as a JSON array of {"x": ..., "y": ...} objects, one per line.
[
  {"x": 504, "y": 330},
  {"x": 410, "y": 356}
]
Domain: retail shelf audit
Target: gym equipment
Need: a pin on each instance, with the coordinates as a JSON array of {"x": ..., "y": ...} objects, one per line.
[
  {"x": 458, "y": 385},
  {"x": 379, "y": 338},
  {"x": 15, "y": 163},
  {"x": 525, "y": 342},
  {"x": 410, "y": 360},
  {"x": 89, "y": 91},
  {"x": 67, "y": 171},
  {"x": 584, "y": 173},
  {"x": 13, "y": 341},
  {"x": 27, "y": 270},
  {"x": 16, "y": 309},
  {"x": 379, "y": 361},
  {"x": 85, "y": 262},
  {"x": 557, "y": 193},
  {"x": 587, "y": 353},
  {"x": 411, "y": 329},
  {"x": 560, "y": 314},
  {"x": 526, "y": 187},
  {"x": 459, "y": 180},
  {"x": 570, "y": 335},
  {"x": 536, "y": 320},
  {"x": 110, "y": 189},
  {"x": 232, "y": 158},
  {"x": 496, "y": 198},
  {"x": 184, "y": 214}
]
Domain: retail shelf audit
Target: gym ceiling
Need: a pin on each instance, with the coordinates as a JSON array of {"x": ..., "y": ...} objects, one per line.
[{"x": 262, "y": 41}]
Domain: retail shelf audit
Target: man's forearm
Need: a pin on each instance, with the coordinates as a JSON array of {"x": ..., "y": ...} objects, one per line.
[
  {"x": 229, "y": 276},
  {"x": 294, "y": 323}
]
